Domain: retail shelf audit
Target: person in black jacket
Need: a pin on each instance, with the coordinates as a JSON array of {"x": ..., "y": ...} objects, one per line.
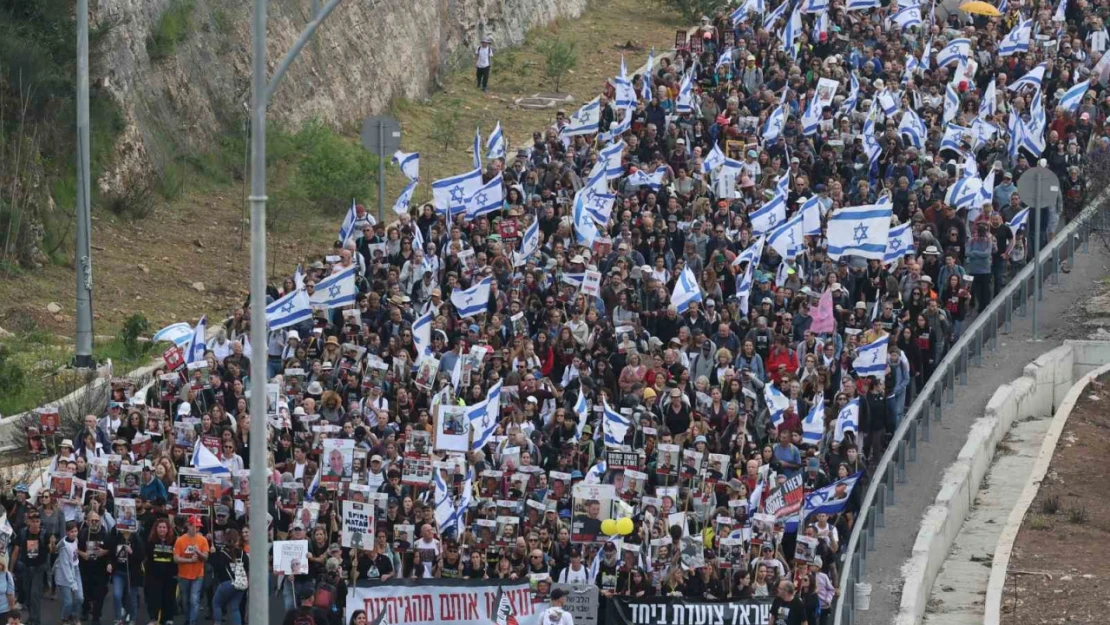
[
  {"x": 161, "y": 572},
  {"x": 876, "y": 423},
  {"x": 226, "y": 563},
  {"x": 128, "y": 555}
]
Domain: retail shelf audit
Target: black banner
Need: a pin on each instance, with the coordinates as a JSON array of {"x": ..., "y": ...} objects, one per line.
[{"x": 680, "y": 611}]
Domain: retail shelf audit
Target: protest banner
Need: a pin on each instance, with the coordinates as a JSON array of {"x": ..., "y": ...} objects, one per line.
[
  {"x": 439, "y": 601},
  {"x": 582, "y": 602},
  {"x": 786, "y": 498},
  {"x": 622, "y": 610}
]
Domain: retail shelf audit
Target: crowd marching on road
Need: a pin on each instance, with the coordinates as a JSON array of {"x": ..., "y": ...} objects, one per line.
[{"x": 656, "y": 351}]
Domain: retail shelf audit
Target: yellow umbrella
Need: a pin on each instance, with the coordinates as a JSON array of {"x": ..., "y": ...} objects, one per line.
[{"x": 979, "y": 8}]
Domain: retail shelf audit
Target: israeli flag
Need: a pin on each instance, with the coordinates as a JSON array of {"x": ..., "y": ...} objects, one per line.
[
  {"x": 1074, "y": 96},
  {"x": 290, "y": 310},
  {"x": 335, "y": 291},
  {"x": 953, "y": 137},
  {"x": 777, "y": 403},
  {"x": 1032, "y": 132},
  {"x": 889, "y": 101},
  {"x": 594, "y": 475},
  {"x": 1019, "y": 220},
  {"x": 788, "y": 239},
  {"x": 899, "y": 243},
  {"x": 685, "y": 101},
  {"x": 951, "y": 103},
  {"x": 814, "y": 6},
  {"x": 913, "y": 129},
  {"x": 1061, "y": 9},
  {"x": 744, "y": 288},
  {"x": 989, "y": 104},
  {"x": 964, "y": 193},
  {"x": 1032, "y": 79},
  {"x": 862, "y": 5},
  {"x": 585, "y": 230},
  {"x": 909, "y": 17},
  {"x": 847, "y": 420},
  {"x": 724, "y": 59},
  {"x": 653, "y": 181},
  {"x": 645, "y": 93},
  {"x": 584, "y": 121},
  {"x": 821, "y": 26},
  {"x": 450, "y": 194},
  {"x": 751, "y": 254},
  {"x": 477, "y": 148},
  {"x": 347, "y": 228},
  {"x": 196, "y": 349},
  {"x": 713, "y": 160},
  {"x": 850, "y": 102},
  {"x": 813, "y": 426},
  {"x": 1017, "y": 40},
  {"x": 472, "y": 301},
  {"x": 770, "y": 215},
  {"x": 489, "y": 198},
  {"x": 755, "y": 498},
  {"x": 611, "y": 157},
  {"x": 422, "y": 334},
  {"x": 811, "y": 118},
  {"x": 811, "y": 216},
  {"x": 986, "y": 195},
  {"x": 404, "y": 201},
  {"x": 409, "y": 162},
  {"x": 871, "y": 144},
  {"x": 583, "y": 412},
  {"x": 1037, "y": 118},
  {"x": 738, "y": 14},
  {"x": 495, "y": 144},
  {"x": 770, "y": 18},
  {"x": 444, "y": 507},
  {"x": 927, "y": 53},
  {"x": 913, "y": 67},
  {"x": 484, "y": 417},
  {"x": 1015, "y": 128},
  {"x": 615, "y": 426},
  {"x": 1003, "y": 6},
  {"x": 776, "y": 122},
  {"x": 860, "y": 231},
  {"x": 179, "y": 334},
  {"x": 871, "y": 359},
  {"x": 790, "y": 34},
  {"x": 466, "y": 498},
  {"x": 206, "y": 462},
  {"x": 686, "y": 290},
  {"x": 298, "y": 277},
  {"x": 618, "y": 128},
  {"x": 625, "y": 96},
  {"x": 756, "y": 6},
  {"x": 831, "y": 499},
  {"x": 529, "y": 245},
  {"x": 598, "y": 205},
  {"x": 954, "y": 51}
]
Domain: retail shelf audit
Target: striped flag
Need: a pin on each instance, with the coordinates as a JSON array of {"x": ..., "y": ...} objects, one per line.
[
  {"x": 813, "y": 426},
  {"x": 871, "y": 358},
  {"x": 409, "y": 162},
  {"x": 1074, "y": 96},
  {"x": 859, "y": 231},
  {"x": 337, "y": 290},
  {"x": 899, "y": 243},
  {"x": 472, "y": 301},
  {"x": 290, "y": 310},
  {"x": 495, "y": 144}
]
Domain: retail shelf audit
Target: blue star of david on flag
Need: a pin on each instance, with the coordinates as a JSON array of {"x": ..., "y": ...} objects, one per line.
[
  {"x": 334, "y": 290},
  {"x": 457, "y": 194},
  {"x": 860, "y": 233},
  {"x": 480, "y": 199},
  {"x": 773, "y": 219},
  {"x": 287, "y": 308}
]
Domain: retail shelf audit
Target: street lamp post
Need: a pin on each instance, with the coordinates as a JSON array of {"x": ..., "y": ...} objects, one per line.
[
  {"x": 83, "y": 254},
  {"x": 261, "y": 90}
]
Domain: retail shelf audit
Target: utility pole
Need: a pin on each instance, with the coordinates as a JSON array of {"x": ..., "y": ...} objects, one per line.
[
  {"x": 83, "y": 253},
  {"x": 261, "y": 91}
]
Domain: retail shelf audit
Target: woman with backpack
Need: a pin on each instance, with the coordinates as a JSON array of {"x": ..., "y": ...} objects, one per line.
[{"x": 229, "y": 569}]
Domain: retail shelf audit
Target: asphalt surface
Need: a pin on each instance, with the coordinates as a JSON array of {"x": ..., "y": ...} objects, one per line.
[
  {"x": 52, "y": 612},
  {"x": 895, "y": 541}
]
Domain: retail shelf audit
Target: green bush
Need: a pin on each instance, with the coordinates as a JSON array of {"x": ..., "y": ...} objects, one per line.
[
  {"x": 559, "y": 58},
  {"x": 12, "y": 377},
  {"x": 172, "y": 28},
  {"x": 133, "y": 329},
  {"x": 330, "y": 169},
  {"x": 445, "y": 123}
]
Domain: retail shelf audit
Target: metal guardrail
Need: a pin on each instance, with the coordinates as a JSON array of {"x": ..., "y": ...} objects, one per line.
[{"x": 940, "y": 389}]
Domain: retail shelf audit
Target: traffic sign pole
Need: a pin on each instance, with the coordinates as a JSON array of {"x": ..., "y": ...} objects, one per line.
[
  {"x": 1039, "y": 189},
  {"x": 381, "y": 135}
]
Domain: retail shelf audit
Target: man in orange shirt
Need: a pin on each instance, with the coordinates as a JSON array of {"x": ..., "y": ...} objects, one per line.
[{"x": 190, "y": 552}]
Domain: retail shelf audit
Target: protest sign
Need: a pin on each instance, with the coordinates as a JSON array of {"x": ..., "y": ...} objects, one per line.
[
  {"x": 358, "y": 524},
  {"x": 291, "y": 557},
  {"x": 439, "y": 601}
]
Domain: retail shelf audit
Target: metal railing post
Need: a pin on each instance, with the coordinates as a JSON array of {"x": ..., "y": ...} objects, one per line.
[
  {"x": 901, "y": 457},
  {"x": 880, "y": 497},
  {"x": 963, "y": 366},
  {"x": 1022, "y": 299},
  {"x": 913, "y": 441},
  {"x": 938, "y": 403},
  {"x": 978, "y": 349},
  {"x": 889, "y": 479},
  {"x": 1056, "y": 265},
  {"x": 1009, "y": 316}
]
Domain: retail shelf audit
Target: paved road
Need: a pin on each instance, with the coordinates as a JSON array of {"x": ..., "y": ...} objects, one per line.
[
  {"x": 895, "y": 541},
  {"x": 52, "y": 612}
]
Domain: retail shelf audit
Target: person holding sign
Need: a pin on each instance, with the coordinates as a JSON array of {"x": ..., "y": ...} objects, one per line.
[{"x": 190, "y": 552}]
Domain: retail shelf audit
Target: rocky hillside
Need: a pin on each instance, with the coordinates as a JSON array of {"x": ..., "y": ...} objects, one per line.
[{"x": 180, "y": 69}]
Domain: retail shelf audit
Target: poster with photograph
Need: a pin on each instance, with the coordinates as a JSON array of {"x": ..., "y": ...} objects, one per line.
[
  {"x": 667, "y": 459},
  {"x": 98, "y": 474},
  {"x": 130, "y": 481},
  {"x": 510, "y": 459},
  {"x": 126, "y": 516},
  {"x": 404, "y": 535},
  {"x": 185, "y": 433},
  {"x": 485, "y": 531},
  {"x": 489, "y": 484},
  {"x": 241, "y": 485},
  {"x": 48, "y": 421},
  {"x": 307, "y": 515},
  {"x": 338, "y": 455},
  {"x": 358, "y": 525},
  {"x": 291, "y": 557},
  {"x": 731, "y": 552},
  {"x": 634, "y": 484},
  {"x": 417, "y": 471},
  {"x": 506, "y": 529},
  {"x": 805, "y": 549},
  {"x": 61, "y": 484},
  {"x": 426, "y": 369},
  {"x": 691, "y": 463},
  {"x": 77, "y": 495},
  {"x": 190, "y": 492},
  {"x": 36, "y": 443},
  {"x": 717, "y": 467},
  {"x": 419, "y": 445},
  {"x": 452, "y": 429},
  {"x": 592, "y": 504}
]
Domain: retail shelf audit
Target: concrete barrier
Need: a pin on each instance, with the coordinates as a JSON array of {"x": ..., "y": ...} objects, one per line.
[
  {"x": 1005, "y": 546},
  {"x": 1035, "y": 393}
]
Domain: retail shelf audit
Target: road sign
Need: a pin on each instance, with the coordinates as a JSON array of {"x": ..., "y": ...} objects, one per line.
[
  {"x": 381, "y": 135},
  {"x": 1039, "y": 188}
]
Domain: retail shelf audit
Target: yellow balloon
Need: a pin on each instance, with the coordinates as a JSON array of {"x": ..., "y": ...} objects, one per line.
[
  {"x": 625, "y": 526},
  {"x": 608, "y": 527}
]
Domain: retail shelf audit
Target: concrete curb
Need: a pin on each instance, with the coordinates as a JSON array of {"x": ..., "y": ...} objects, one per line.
[
  {"x": 1004, "y": 549},
  {"x": 1042, "y": 381}
]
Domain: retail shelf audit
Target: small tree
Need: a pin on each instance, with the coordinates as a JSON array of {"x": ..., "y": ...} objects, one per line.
[
  {"x": 559, "y": 58},
  {"x": 445, "y": 123},
  {"x": 692, "y": 10}
]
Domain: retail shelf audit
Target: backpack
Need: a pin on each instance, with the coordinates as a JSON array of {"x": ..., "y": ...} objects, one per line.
[
  {"x": 304, "y": 618},
  {"x": 325, "y": 596}
]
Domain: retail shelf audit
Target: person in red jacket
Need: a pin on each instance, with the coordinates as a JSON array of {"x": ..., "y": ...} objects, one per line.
[{"x": 781, "y": 360}]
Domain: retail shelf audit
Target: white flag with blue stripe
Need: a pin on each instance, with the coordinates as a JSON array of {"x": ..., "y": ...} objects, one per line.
[
  {"x": 615, "y": 427},
  {"x": 611, "y": 156},
  {"x": 409, "y": 162},
  {"x": 495, "y": 144},
  {"x": 954, "y": 51},
  {"x": 645, "y": 92},
  {"x": 1074, "y": 96},
  {"x": 422, "y": 334},
  {"x": 751, "y": 254},
  {"x": 744, "y": 288},
  {"x": 1031, "y": 79},
  {"x": 964, "y": 193},
  {"x": 770, "y": 215},
  {"x": 912, "y": 128},
  {"x": 444, "y": 507},
  {"x": 584, "y": 121},
  {"x": 774, "y": 126},
  {"x": 811, "y": 118},
  {"x": 871, "y": 359},
  {"x": 337, "y": 290},
  {"x": 1017, "y": 40},
  {"x": 850, "y": 102},
  {"x": 862, "y": 5},
  {"x": 1020, "y": 220},
  {"x": 788, "y": 239},
  {"x": 347, "y": 228},
  {"x": 685, "y": 101},
  {"x": 594, "y": 475},
  {"x": 813, "y": 426},
  {"x": 686, "y": 290},
  {"x": 206, "y": 462},
  {"x": 290, "y": 310},
  {"x": 196, "y": 349},
  {"x": 899, "y": 243},
  {"x": 529, "y": 245},
  {"x": 871, "y": 144},
  {"x": 619, "y": 127},
  {"x": 989, "y": 104},
  {"x": 653, "y": 180},
  {"x": 811, "y": 216},
  {"x": 831, "y": 499},
  {"x": 1061, "y": 10},
  {"x": 986, "y": 195},
  {"x": 472, "y": 301},
  {"x": 953, "y": 137},
  {"x": 582, "y": 410},
  {"x": 625, "y": 96},
  {"x": 951, "y": 103},
  {"x": 909, "y": 17},
  {"x": 860, "y": 231},
  {"x": 489, "y": 198},
  {"x": 585, "y": 230},
  {"x": 847, "y": 420},
  {"x": 477, "y": 148},
  {"x": 814, "y": 6},
  {"x": 777, "y": 403},
  {"x": 179, "y": 334},
  {"x": 724, "y": 59},
  {"x": 484, "y": 417},
  {"x": 770, "y": 18},
  {"x": 450, "y": 194},
  {"x": 404, "y": 201},
  {"x": 713, "y": 160},
  {"x": 790, "y": 34}
]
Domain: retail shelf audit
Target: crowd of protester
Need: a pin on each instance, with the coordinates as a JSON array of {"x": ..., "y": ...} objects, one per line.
[{"x": 695, "y": 379}]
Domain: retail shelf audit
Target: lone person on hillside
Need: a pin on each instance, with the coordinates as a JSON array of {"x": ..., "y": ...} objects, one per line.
[{"x": 484, "y": 54}]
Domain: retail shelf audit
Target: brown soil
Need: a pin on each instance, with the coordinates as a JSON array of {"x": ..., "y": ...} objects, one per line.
[{"x": 1059, "y": 571}]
